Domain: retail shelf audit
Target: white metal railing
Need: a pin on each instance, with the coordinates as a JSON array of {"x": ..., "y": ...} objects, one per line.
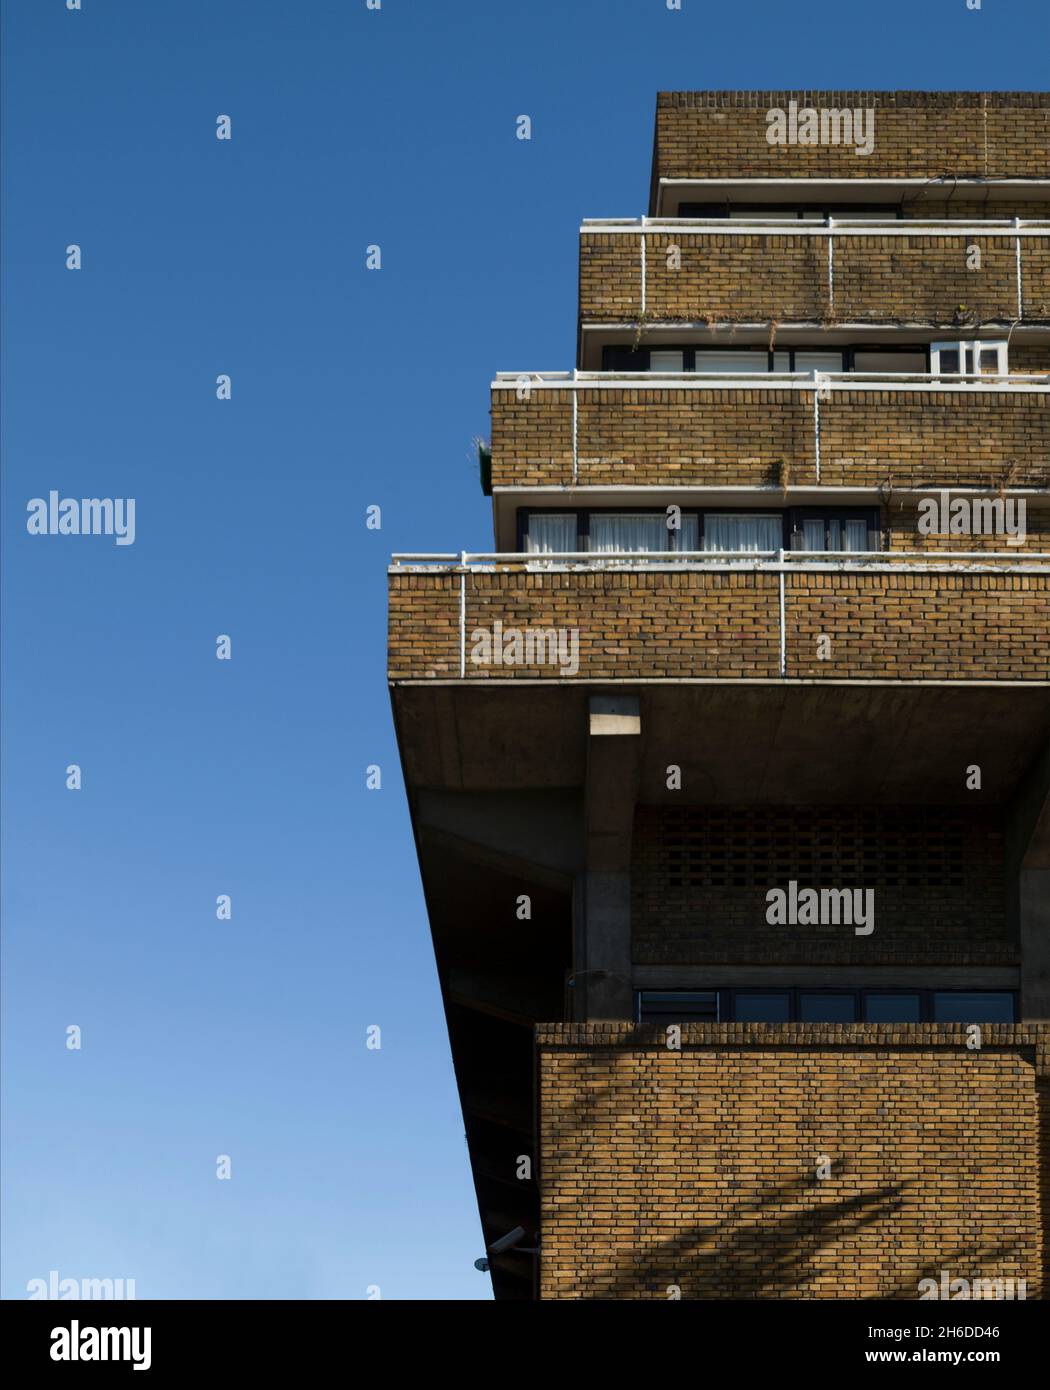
[
  {"x": 778, "y": 562},
  {"x": 757, "y": 560},
  {"x": 778, "y": 381},
  {"x": 831, "y": 228}
]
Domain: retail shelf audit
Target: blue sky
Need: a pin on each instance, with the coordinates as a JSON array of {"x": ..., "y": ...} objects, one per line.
[{"x": 204, "y": 1037}]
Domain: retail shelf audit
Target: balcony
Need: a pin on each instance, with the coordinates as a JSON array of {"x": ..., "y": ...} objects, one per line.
[
  {"x": 900, "y": 617},
  {"x": 838, "y": 272},
  {"x": 599, "y": 429}
]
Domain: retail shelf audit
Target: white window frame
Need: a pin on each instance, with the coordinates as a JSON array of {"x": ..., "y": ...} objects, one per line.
[{"x": 979, "y": 347}]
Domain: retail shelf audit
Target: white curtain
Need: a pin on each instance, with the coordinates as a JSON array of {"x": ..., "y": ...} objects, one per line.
[
  {"x": 552, "y": 534},
  {"x": 841, "y": 535},
  {"x": 611, "y": 534},
  {"x": 732, "y": 531}
]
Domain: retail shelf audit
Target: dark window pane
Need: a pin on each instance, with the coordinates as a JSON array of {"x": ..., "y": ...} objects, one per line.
[
  {"x": 827, "y": 1008},
  {"x": 763, "y": 1008},
  {"x": 678, "y": 1007},
  {"x": 892, "y": 1008},
  {"x": 957, "y": 1006}
]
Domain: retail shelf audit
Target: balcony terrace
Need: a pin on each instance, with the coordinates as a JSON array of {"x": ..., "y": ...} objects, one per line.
[
  {"x": 844, "y": 430},
  {"x": 892, "y": 271},
  {"x": 883, "y": 617}
]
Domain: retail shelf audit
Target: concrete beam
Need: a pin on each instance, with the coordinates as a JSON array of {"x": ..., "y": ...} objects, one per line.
[{"x": 602, "y": 903}]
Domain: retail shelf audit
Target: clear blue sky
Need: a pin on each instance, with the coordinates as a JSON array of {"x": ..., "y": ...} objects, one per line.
[{"x": 350, "y": 127}]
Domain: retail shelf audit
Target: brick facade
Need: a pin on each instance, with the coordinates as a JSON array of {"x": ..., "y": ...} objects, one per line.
[
  {"x": 785, "y": 276},
  {"x": 922, "y": 135},
  {"x": 697, "y": 1169},
  {"x": 753, "y": 436},
  {"x": 702, "y": 624}
]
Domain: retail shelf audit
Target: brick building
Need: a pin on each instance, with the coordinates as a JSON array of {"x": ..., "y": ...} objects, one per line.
[{"x": 729, "y": 767}]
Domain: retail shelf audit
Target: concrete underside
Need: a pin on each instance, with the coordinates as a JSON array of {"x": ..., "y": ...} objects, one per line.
[{"x": 508, "y": 800}]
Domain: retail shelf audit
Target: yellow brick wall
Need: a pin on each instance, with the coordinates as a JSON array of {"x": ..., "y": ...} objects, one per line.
[
  {"x": 696, "y": 437},
  {"x": 702, "y": 624},
  {"x": 738, "y": 278},
  {"x": 697, "y": 1169},
  {"x": 917, "y": 135}
]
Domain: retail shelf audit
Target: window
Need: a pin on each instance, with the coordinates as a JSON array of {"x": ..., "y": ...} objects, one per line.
[
  {"x": 822, "y": 1005},
  {"x": 771, "y": 1007},
  {"x": 793, "y": 212},
  {"x": 616, "y": 531},
  {"x": 833, "y": 534},
  {"x": 551, "y": 533},
  {"x": 818, "y": 361},
  {"x": 841, "y": 530},
  {"x": 744, "y": 361},
  {"x": 748, "y": 531},
  {"x": 878, "y": 361},
  {"x": 670, "y": 361},
  {"x": 678, "y": 1007},
  {"x": 958, "y": 1006},
  {"x": 892, "y": 1007},
  {"x": 969, "y": 358}
]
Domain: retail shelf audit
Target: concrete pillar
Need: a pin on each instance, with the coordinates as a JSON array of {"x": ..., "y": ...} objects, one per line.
[
  {"x": 1031, "y": 834},
  {"x": 602, "y": 970}
]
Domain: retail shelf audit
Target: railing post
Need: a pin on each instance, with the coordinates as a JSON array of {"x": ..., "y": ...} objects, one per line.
[
  {"x": 463, "y": 615},
  {"x": 816, "y": 422},
  {"x": 783, "y": 631},
  {"x": 575, "y": 430},
  {"x": 831, "y": 266},
  {"x": 642, "y": 240},
  {"x": 1017, "y": 243}
]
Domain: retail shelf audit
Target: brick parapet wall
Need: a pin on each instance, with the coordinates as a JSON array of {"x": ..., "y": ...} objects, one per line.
[
  {"x": 916, "y": 135},
  {"x": 784, "y": 277},
  {"x": 698, "y": 624},
  {"x": 696, "y": 1169},
  {"x": 693, "y": 436}
]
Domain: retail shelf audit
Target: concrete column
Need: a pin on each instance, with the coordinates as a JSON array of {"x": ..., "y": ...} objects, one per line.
[
  {"x": 1030, "y": 827},
  {"x": 602, "y": 973}
]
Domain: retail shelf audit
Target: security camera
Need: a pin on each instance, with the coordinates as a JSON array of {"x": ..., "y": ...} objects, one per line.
[
  {"x": 482, "y": 1265},
  {"x": 508, "y": 1241}
]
